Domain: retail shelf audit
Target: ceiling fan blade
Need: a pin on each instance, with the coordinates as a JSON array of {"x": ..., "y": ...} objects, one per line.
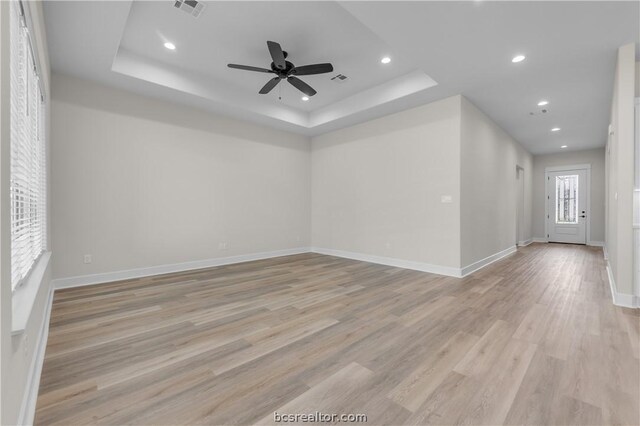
[
  {"x": 249, "y": 68},
  {"x": 270, "y": 85},
  {"x": 301, "y": 86},
  {"x": 313, "y": 69},
  {"x": 276, "y": 54}
]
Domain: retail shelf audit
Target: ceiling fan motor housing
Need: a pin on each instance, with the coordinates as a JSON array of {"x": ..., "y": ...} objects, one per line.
[{"x": 286, "y": 71}]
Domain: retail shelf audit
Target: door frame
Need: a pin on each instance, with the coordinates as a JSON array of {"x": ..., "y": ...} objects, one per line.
[
  {"x": 520, "y": 205},
  {"x": 547, "y": 170}
]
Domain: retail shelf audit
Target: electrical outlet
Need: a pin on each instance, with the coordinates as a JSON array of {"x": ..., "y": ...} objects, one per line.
[
  {"x": 446, "y": 199},
  {"x": 222, "y": 246},
  {"x": 88, "y": 258}
]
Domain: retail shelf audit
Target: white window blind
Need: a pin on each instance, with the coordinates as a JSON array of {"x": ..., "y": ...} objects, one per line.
[{"x": 28, "y": 151}]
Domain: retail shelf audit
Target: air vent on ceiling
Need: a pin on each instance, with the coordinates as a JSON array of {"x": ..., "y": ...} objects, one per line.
[
  {"x": 339, "y": 78},
  {"x": 192, "y": 7}
]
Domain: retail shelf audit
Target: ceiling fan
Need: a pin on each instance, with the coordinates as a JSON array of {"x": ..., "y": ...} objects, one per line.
[{"x": 284, "y": 69}]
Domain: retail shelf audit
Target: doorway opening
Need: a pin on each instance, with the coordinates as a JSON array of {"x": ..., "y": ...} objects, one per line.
[
  {"x": 567, "y": 204},
  {"x": 520, "y": 237}
]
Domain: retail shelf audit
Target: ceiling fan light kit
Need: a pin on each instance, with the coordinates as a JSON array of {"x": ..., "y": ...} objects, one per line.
[{"x": 285, "y": 70}]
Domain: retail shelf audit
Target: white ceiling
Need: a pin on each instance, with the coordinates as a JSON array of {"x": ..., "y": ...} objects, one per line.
[
  {"x": 237, "y": 33},
  {"x": 438, "y": 49}
]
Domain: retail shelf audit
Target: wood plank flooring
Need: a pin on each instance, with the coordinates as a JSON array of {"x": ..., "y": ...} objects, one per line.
[{"x": 532, "y": 339}]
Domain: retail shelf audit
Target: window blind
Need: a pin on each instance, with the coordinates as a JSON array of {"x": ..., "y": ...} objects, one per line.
[{"x": 28, "y": 151}]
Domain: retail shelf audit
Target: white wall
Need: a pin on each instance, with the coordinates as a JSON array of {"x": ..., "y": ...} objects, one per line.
[
  {"x": 596, "y": 158},
  {"x": 620, "y": 174},
  {"x": 489, "y": 191},
  {"x": 139, "y": 183},
  {"x": 18, "y": 351},
  {"x": 637, "y": 79},
  {"x": 377, "y": 186}
]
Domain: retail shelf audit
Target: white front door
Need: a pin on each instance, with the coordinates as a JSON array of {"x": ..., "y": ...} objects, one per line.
[{"x": 567, "y": 206}]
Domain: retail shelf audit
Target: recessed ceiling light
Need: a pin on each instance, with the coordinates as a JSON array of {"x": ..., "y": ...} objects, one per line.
[
  {"x": 543, "y": 103},
  {"x": 170, "y": 45},
  {"x": 563, "y": 146},
  {"x": 555, "y": 129},
  {"x": 305, "y": 98},
  {"x": 385, "y": 60},
  {"x": 518, "y": 58}
]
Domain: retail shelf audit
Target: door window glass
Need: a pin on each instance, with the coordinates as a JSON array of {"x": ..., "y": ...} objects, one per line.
[{"x": 567, "y": 199}]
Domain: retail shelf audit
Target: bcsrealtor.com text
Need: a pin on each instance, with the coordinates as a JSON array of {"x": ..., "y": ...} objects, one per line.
[{"x": 318, "y": 417}]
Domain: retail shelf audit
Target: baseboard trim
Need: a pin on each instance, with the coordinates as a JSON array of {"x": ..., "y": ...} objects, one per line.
[
  {"x": 30, "y": 397},
  {"x": 417, "y": 266},
  {"x": 82, "y": 280},
  {"x": 390, "y": 261},
  {"x": 525, "y": 242},
  {"x": 621, "y": 299},
  {"x": 470, "y": 269},
  {"x": 589, "y": 243}
]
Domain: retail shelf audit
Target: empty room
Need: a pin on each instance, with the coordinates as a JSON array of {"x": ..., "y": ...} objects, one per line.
[{"x": 327, "y": 212}]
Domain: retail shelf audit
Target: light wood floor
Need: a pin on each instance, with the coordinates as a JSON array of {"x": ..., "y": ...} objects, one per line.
[{"x": 532, "y": 339}]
